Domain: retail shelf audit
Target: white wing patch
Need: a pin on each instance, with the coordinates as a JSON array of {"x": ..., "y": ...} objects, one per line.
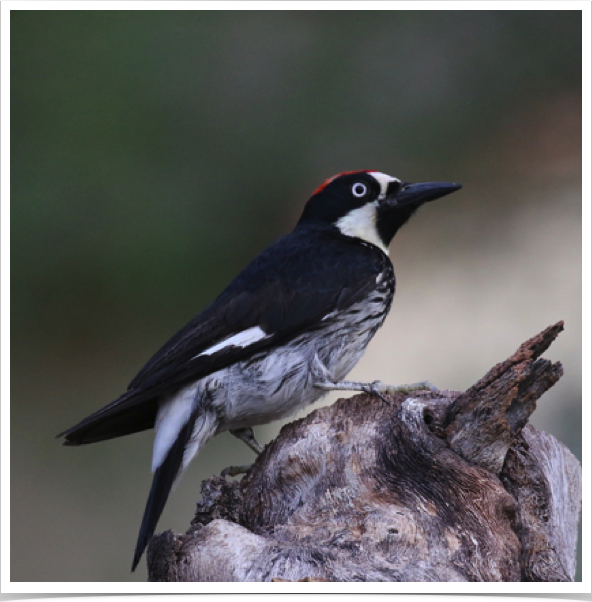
[
  {"x": 172, "y": 416},
  {"x": 241, "y": 339},
  {"x": 174, "y": 413},
  {"x": 361, "y": 223}
]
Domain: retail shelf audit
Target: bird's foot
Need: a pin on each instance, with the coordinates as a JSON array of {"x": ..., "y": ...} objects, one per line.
[
  {"x": 377, "y": 387},
  {"x": 233, "y": 471},
  {"x": 246, "y": 436}
]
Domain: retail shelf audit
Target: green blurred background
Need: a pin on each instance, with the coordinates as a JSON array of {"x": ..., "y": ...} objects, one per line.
[{"x": 155, "y": 153}]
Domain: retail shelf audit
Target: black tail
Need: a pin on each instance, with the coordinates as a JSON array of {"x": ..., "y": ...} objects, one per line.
[
  {"x": 163, "y": 480},
  {"x": 133, "y": 412}
]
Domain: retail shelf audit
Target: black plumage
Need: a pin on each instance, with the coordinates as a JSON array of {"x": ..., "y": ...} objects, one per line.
[
  {"x": 279, "y": 291},
  {"x": 293, "y": 323}
]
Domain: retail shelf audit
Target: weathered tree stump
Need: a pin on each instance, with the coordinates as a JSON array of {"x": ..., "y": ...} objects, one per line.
[{"x": 435, "y": 486}]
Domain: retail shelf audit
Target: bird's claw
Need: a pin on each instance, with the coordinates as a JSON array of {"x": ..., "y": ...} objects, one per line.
[
  {"x": 373, "y": 389},
  {"x": 377, "y": 387},
  {"x": 233, "y": 471}
]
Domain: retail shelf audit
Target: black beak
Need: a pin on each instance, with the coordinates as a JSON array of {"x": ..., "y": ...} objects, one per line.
[
  {"x": 401, "y": 202},
  {"x": 417, "y": 194}
]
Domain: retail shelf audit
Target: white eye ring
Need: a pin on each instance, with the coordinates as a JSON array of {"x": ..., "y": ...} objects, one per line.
[{"x": 359, "y": 189}]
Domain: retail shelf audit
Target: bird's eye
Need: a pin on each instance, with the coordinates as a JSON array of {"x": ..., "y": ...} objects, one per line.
[{"x": 359, "y": 189}]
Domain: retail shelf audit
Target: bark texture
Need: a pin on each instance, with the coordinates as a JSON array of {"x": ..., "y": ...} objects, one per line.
[{"x": 433, "y": 486}]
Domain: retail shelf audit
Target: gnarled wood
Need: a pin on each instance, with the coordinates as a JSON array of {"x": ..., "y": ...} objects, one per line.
[{"x": 435, "y": 486}]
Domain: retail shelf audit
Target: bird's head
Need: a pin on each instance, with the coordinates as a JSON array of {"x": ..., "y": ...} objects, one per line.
[{"x": 369, "y": 205}]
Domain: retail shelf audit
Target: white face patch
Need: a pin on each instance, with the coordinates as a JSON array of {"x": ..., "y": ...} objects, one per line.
[
  {"x": 383, "y": 180},
  {"x": 241, "y": 339},
  {"x": 361, "y": 223}
]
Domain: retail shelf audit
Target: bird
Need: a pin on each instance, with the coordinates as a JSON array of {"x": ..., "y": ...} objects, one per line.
[{"x": 284, "y": 332}]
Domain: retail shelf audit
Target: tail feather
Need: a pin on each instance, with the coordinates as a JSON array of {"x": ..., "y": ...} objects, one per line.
[
  {"x": 164, "y": 477},
  {"x": 133, "y": 412}
]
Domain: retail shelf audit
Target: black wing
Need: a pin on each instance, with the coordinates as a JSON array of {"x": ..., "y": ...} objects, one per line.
[{"x": 286, "y": 290}]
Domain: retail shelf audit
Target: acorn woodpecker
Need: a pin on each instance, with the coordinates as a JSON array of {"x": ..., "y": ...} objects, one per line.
[{"x": 289, "y": 328}]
